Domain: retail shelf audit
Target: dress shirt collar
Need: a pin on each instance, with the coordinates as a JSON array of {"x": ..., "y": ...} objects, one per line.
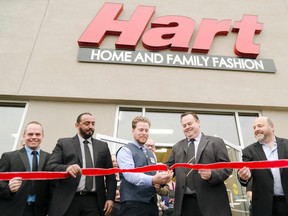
[
  {"x": 138, "y": 145},
  {"x": 29, "y": 150},
  {"x": 265, "y": 145},
  {"x": 81, "y": 139},
  {"x": 196, "y": 139}
]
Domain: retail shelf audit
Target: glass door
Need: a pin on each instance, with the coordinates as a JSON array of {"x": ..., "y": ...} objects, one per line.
[
  {"x": 237, "y": 194},
  {"x": 239, "y": 202}
]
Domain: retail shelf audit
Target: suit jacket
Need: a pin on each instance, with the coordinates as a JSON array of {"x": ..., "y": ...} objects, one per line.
[
  {"x": 263, "y": 183},
  {"x": 13, "y": 204},
  {"x": 211, "y": 194},
  {"x": 68, "y": 152}
]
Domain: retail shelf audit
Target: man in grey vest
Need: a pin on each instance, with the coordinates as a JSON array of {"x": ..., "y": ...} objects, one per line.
[{"x": 137, "y": 191}]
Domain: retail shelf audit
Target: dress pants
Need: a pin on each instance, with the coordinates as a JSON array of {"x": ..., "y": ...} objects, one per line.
[
  {"x": 84, "y": 205},
  {"x": 134, "y": 208},
  {"x": 190, "y": 206},
  {"x": 29, "y": 209},
  {"x": 280, "y": 206}
]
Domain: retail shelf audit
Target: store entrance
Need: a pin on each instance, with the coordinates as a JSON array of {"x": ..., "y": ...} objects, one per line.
[
  {"x": 237, "y": 194},
  {"x": 239, "y": 202}
]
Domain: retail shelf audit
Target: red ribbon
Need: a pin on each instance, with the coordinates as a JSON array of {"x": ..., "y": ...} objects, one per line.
[
  {"x": 236, "y": 165},
  {"x": 160, "y": 167},
  {"x": 34, "y": 175},
  {"x": 41, "y": 175}
]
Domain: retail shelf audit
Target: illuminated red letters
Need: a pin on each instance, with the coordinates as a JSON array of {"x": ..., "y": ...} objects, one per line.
[
  {"x": 168, "y": 32},
  {"x": 105, "y": 23},
  {"x": 246, "y": 29}
]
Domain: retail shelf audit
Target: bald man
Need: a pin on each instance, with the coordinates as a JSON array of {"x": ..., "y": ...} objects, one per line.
[
  {"x": 270, "y": 186},
  {"x": 150, "y": 144}
]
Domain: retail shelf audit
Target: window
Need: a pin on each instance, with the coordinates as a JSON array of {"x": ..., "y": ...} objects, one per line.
[
  {"x": 246, "y": 125},
  {"x": 11, "y": 118},
  {"x": 235, "y": 128},
  {"x": 125, "y": 117}
]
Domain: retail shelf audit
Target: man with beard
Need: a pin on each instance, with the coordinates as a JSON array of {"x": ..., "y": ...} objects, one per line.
[
  {"x": 137, "y": 192},
  {"x": 270, "y": 186},
  {"x": 79, "y": 194}
]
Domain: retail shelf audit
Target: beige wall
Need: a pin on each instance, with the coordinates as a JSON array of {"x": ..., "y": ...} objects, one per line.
[
  {"x": 59, "y": 118},
  {"x": 38, "y": 64},
  {"x": 39, "y": 51},
  {"x": 280, "y": 120}
]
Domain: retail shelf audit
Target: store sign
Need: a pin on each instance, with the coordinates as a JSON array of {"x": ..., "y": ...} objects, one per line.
[{"x": 170, "y": 33}]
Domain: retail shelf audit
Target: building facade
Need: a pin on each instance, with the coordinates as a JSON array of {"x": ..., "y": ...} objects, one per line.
[{"x": 47, "y": 75}]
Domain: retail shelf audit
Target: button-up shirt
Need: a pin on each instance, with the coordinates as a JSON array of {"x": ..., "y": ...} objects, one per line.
[
  {"x": 81, "y": 185},
  {"x": 125, "y": 161},
  {"x": 31, "y": 198},
  {"x": 271, "y": 155}
]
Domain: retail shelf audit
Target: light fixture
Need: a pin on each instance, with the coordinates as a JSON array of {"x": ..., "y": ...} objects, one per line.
[
  {"x": 162, "y": 150},
  {"x": 241, "y": 200},
  {"x": 14, "y": 135},
  {"x": 161, "y": 131}
]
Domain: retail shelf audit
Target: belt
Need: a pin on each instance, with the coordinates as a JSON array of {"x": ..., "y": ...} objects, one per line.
[
  {"x": 278, "y": 197},
  {"x": 193, "y": 195},
  {"x": 30, "y": 203},
  {"x": 85, "y": 193}
]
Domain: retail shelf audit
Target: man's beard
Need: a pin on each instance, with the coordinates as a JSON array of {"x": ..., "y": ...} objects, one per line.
[
  {"x": 260, "y": 137},
  {"x": 141, "y": 142},
  {"x": 86, "y": 135}
]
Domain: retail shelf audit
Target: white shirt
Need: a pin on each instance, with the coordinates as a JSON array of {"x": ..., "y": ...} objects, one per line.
[
  {"x": 271, "y": 155},
  {"x": 81, "y": 185}
]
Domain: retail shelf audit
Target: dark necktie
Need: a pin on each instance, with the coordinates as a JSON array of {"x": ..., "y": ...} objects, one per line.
[
  {"x": 191, "y": 152},
  {"x": 190, "y": 159},
  {"x": 34, "y": 168},
  {"x": 89, "y": 164}
]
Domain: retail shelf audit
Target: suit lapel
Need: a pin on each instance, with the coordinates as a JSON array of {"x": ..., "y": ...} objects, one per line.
[
  {"x": 185, "y": 146},
  {"x": 280, "y": 150},
  {"x": 261, "y": 154},
  {"x": 202, "y": 144},
  {"x": 24, "y": 159},
  {"x": 77, "y": 147},
  {"x": 42, "y": 160},
  {"x": 95, "y": 151}
]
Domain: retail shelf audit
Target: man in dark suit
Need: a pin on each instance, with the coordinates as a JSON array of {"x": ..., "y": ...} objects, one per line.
[
  {"x": 79, "y": 194},
  {"x": 270, "y": 186},
  {"x": 203, "y": 192},
  {"x": 19, "y": 197}
]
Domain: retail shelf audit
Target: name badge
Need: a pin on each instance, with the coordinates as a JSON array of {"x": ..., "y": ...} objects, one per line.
[{"x": 152, "y": 160}]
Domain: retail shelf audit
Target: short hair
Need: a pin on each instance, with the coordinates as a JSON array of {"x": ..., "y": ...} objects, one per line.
[
  {"x": 33, "y": 122},
  {"x": 140, "y": 119},
  {"x": 80, "y": 116},
  {"x": 189, "y": 113},
  {"x": 270, "y": 122}
]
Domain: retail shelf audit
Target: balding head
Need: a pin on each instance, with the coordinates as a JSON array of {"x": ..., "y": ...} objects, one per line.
[
  {"x": 263, "y": 129},
  {"x": 150, "y": 144}
]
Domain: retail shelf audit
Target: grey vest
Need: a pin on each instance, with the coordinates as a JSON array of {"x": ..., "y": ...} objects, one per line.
[{"x": 131, "y": 192}]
